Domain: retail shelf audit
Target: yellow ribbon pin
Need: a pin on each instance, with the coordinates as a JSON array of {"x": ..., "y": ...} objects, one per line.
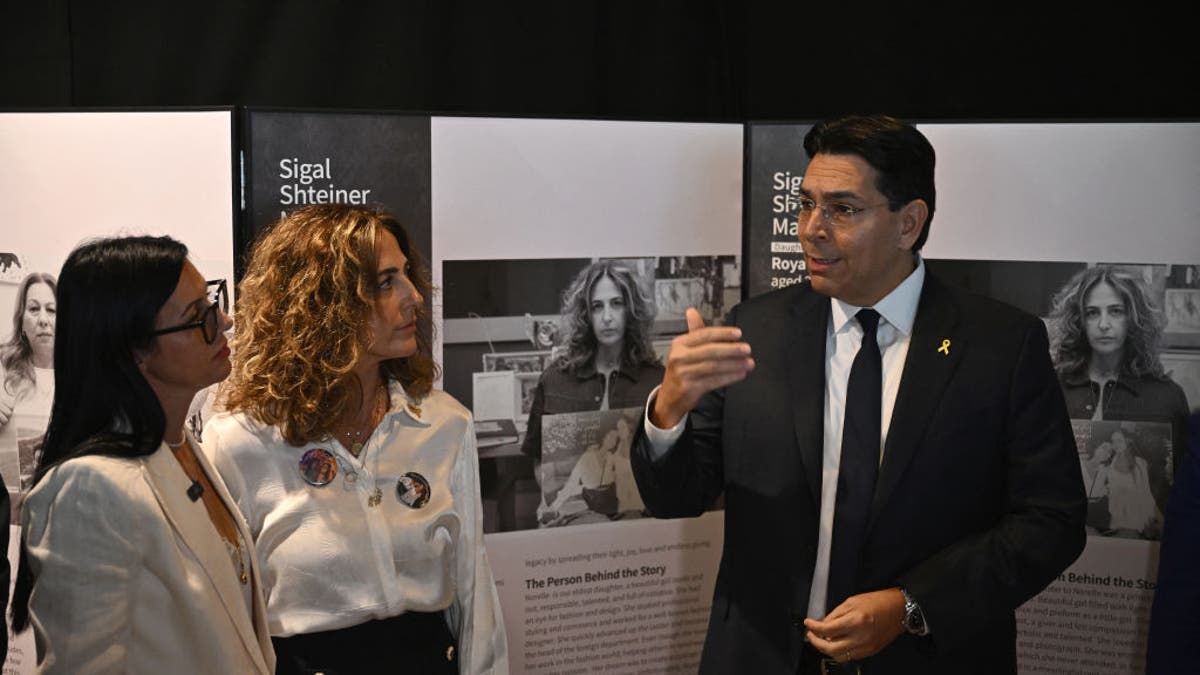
[{"x": 945, "y": 348}]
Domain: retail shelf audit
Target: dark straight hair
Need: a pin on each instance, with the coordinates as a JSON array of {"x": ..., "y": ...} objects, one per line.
[
  {"x": 109, "y": 294},
  {"x": 902, "y": 156}
]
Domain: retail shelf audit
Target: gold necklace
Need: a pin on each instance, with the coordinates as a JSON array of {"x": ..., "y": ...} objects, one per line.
[
  {"x": 355, "y": 446},
  {"x": 352, "y": 437}
]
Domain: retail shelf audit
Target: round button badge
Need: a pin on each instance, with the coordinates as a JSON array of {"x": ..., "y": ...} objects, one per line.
[
  {"x": 413, "y": 490},
  {"x": 318, "y": 467}
]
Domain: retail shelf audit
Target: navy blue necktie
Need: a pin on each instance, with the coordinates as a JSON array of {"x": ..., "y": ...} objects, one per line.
[{"x": 859, "y": 464}]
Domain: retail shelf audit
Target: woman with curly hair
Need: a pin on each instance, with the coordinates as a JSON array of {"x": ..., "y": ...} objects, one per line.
[
  {"x": 1105, "y": 335},
  {"x": 329, "y": 420},
  {"x": 606, "y": 361},
  {"x": 27, "y": 374}
]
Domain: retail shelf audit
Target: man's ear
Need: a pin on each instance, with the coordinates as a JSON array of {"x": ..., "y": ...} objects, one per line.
[{"x": 912, "y": 220}]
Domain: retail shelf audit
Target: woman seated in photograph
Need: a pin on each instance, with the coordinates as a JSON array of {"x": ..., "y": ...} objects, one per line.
[
  {"x": 591, "y": 474},
  {"x": 1105, "y": 338},
  {"x": 606, "y": 361},
  {"x": 600, "y": 484},
  {"x": 358, "y": 479},
  {"x": 135, "y": 557}
]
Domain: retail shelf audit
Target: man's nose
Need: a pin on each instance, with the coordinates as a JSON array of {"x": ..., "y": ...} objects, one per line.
[{"x": 810, "y": 226}]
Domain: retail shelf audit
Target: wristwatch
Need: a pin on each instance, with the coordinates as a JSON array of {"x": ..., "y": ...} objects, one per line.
[{"x": 914, "y": 618}]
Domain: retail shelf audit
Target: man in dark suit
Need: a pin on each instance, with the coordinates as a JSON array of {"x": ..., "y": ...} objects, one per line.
[{"x": 886, "y": 508}]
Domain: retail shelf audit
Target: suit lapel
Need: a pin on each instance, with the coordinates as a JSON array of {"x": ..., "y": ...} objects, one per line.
[
  {"x": 927, "y": 370},
  {"x": 808, "y": 321},
  {"x": 190, "y": 519}
]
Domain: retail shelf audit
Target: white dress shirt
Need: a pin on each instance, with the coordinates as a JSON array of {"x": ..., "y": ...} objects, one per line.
[
  {"x": 331, "y": 559},
  {"x": 898, "y": 311}
]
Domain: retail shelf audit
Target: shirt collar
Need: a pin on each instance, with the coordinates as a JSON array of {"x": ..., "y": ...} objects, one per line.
[
  {"x": 1081, "y": 378},
  {"x": 898, "y": 308},
  {"x": 400, "y": 403},
  {"x": 588, "y": 371}
]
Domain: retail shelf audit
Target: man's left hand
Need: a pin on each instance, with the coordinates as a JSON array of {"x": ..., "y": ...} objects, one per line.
[{"x": 860, "y": 626}]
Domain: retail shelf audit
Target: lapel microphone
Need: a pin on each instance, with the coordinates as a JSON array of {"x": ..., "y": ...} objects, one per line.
[{"x": 195, "y": 490}]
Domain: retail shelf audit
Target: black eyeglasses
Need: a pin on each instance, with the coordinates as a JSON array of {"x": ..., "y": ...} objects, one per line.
[{"x": 208, "y": 323}]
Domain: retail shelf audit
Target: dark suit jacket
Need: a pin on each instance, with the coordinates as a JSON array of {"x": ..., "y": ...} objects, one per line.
[{"x": 978, "y": 506}]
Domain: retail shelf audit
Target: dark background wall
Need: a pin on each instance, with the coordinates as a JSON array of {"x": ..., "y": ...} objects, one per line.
[{"x": 701, "y": 60}]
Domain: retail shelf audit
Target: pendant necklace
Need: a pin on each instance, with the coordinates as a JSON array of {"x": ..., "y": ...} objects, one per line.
[
  {"x": 355, "y": 443},
  {"x": 376, "y": 497}
]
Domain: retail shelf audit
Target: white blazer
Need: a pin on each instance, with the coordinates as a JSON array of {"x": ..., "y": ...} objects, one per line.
[{"x": 131, "y": 576}]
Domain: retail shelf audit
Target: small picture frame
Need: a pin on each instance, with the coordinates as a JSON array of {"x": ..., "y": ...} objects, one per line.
[
  {"x": 520, "y": 362},
  {"x": 1182, "y": 309}
]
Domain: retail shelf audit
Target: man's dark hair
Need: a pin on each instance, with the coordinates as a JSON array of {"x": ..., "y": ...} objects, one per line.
[{"x": 901, "y": 155}]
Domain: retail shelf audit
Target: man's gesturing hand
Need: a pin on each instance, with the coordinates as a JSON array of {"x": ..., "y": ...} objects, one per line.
[{"x": 700, "y": 360}]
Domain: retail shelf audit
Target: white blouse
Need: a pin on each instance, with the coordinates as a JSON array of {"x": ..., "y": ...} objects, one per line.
[{"x": 350, "y": 551}]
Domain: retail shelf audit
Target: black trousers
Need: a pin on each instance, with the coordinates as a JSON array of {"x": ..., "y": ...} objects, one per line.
[{"x": 411, "y": 643}]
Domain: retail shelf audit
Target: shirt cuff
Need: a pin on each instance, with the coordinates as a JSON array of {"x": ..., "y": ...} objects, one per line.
[{"x": 661, "y": 440}]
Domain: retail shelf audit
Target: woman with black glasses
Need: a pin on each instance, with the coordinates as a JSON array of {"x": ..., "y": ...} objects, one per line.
[{"x": 135, "y": 557}]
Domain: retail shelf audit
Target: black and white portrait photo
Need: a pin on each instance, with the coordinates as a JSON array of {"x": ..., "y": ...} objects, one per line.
[
  {"x": 1119, "y": 355},
  {"x": 548, "y": 343},
  {"x": 28, "y": 298},
  {"x": 1127, "y": 470}
]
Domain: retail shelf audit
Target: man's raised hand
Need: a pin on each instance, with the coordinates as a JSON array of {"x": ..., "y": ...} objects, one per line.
[{"x": 700, "y": 360}]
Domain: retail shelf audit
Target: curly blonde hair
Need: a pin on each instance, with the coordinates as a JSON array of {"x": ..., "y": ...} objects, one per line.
[{"x": 302, "y": 317}]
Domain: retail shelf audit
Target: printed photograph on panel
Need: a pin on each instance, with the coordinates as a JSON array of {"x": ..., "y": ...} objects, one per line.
[
  {"x": 1126, "y": 471},
  {"x": 585, "y": 474},
  {"x": 1108, "y": 338},
  {"x": 551, "y": 355},
  {"x": 28, "y": 296},
  {"x": 1129, "y": 365}
]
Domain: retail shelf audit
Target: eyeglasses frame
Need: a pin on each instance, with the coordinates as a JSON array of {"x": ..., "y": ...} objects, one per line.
[{"x": 222, "y": 299}]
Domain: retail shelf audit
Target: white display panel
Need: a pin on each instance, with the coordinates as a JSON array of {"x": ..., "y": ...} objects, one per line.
[
  {"x": 1067, "y": 191},
  {"x": 69, "y": 177},
  {"x": 519, "y": 205}
]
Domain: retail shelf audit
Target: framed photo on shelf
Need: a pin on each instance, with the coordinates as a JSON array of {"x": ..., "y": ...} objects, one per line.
[
  {"x": 1182, "y": 309},
  {"x": 520, "y": 362}
]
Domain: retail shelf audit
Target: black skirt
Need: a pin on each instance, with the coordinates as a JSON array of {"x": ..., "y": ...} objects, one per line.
[{"x": 411, "y": 643}]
